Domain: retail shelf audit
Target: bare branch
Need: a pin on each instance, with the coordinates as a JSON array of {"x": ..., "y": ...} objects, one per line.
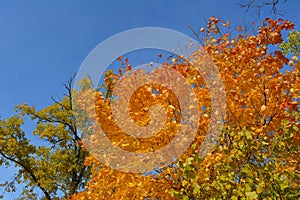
[{"x": 259, "y": 4}]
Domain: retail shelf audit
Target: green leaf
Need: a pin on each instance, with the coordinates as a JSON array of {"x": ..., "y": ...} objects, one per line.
[
  {"x": 234, "y": 198},
  {"x": 196, "y": 189},
  {"x": 184, "y": 183},
  {"x": 260, "y": 187},
  {"x": 251, "y": 195},
  {"x": 186, "y": 197}
]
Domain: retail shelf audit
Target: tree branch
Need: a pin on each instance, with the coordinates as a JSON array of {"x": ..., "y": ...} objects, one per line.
[{"x": 29, "y": 172}]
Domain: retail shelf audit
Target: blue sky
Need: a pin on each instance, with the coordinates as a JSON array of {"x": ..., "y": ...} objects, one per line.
[{"x": 42, "y": 43}]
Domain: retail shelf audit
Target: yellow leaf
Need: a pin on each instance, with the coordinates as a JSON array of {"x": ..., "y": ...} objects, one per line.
[{"x": 263, "y": 108}]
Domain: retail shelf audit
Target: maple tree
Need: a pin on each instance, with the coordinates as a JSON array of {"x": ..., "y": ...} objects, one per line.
[
  {"x": 256, "y": 156},
  {"x": 54, "y": 167}
]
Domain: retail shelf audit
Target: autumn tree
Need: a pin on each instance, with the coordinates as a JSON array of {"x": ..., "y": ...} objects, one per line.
[
  {"x": 114, "y": 183},
  {"x": 53, "y": 168},
  {"x": 256, "y": 155}
]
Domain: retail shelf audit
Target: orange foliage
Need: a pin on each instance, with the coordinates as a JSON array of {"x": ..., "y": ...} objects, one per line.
[{"x": 257, "y": 98}]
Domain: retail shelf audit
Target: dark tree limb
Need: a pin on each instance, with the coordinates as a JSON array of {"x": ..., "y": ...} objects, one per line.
[
  {"x": 47, "y": 195},
  {"x": 259, "y": 4}
]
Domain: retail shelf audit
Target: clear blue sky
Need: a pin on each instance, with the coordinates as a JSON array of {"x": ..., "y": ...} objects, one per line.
[{"x": 42, "y": 43}]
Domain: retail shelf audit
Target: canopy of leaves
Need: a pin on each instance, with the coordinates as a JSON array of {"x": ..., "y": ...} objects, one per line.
[
  {"x": 256, "y": 156},
  {"x": 257, "y": 153},
  {"x": 292, "y": 45},
  {"x": 55, "y": 167}
]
